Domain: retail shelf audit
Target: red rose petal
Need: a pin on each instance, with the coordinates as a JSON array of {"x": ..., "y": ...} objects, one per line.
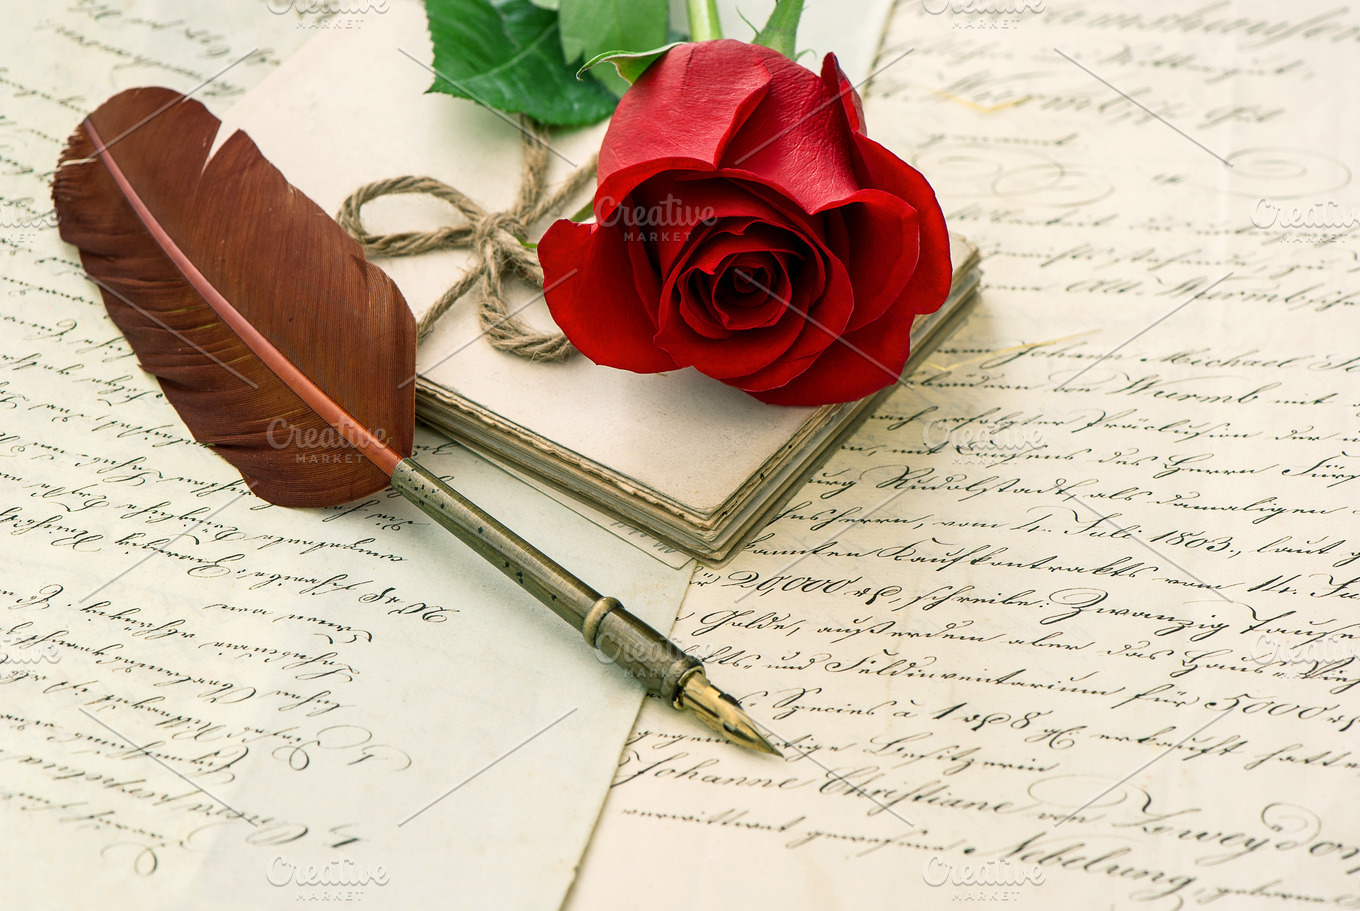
[
  {"x": 929, "y": 285},
  {"x": 877, "y": 238},
  {"x": 706, "y": 293},
  {"x": 878, "y": 168},
  {"x": 753, "y": 290},
  {"x": 646, "y": 280},
  {"x": 716, "y": 304},
  {"x": 856, "y": 365},
  {"x": 654, "y": 129},
  {"x": 838, "y": 84},
  {"x": 871, "y": 357},
  {"x": 716, "y": 198},
  {"x": 588, "y": 280},
  {"x": 694, "y": 293},
  {"x": 879, "y": 247},
  {"x": 822, "y": 323},
  {"x": 736, "y": 355},
  {"x": 796, "y": 139},
  {"x": 749, "y": 199},
  {"x": 694, "y": 303}
]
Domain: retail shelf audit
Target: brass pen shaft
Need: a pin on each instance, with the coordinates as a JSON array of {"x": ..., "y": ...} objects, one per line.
[{"x": 603, "y": 622}]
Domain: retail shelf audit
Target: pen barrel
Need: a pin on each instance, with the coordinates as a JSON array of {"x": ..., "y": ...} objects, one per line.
[
  {"x": 657, "y": 662},
  {"x": 604, "y": 623}
]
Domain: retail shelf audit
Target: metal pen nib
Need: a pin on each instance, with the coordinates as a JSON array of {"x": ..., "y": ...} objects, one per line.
[{"x": 721, "y": 712}]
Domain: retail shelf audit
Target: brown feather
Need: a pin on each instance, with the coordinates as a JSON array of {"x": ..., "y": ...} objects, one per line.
[{"x": 278, "y": 259}]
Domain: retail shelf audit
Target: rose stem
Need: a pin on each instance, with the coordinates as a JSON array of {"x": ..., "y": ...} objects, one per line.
[{"x": 703, "y": 20}]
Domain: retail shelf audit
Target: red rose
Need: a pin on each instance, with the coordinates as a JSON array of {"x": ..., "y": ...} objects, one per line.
[{"x": 747, "y": 227}]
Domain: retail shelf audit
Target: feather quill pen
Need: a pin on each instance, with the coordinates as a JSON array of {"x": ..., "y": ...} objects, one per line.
[
  {"x": 192, "y": 255},
  {"x": 286, "y": 351}
]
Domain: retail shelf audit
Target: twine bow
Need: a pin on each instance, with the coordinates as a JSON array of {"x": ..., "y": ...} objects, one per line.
[{"x": 497, "y": 241}]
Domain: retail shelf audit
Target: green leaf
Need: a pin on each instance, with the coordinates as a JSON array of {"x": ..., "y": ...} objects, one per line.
[
  {"x": 609, "y": 79},
  {"x": 592, "y": 27},
  {"x": 545, "y": 4},
  {"x": 781, "y": 29},
  {"x": 630, "y": 65},
  {"x": 584, "y": 213},
  {"x": 507, "y": 55}
]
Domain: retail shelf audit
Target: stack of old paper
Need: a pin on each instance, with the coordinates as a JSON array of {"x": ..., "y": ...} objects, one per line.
[{"x": 695, "y": 463}]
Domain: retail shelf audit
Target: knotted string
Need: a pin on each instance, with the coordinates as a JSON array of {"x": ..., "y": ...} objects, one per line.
[{"x": 496, "y": 239}]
